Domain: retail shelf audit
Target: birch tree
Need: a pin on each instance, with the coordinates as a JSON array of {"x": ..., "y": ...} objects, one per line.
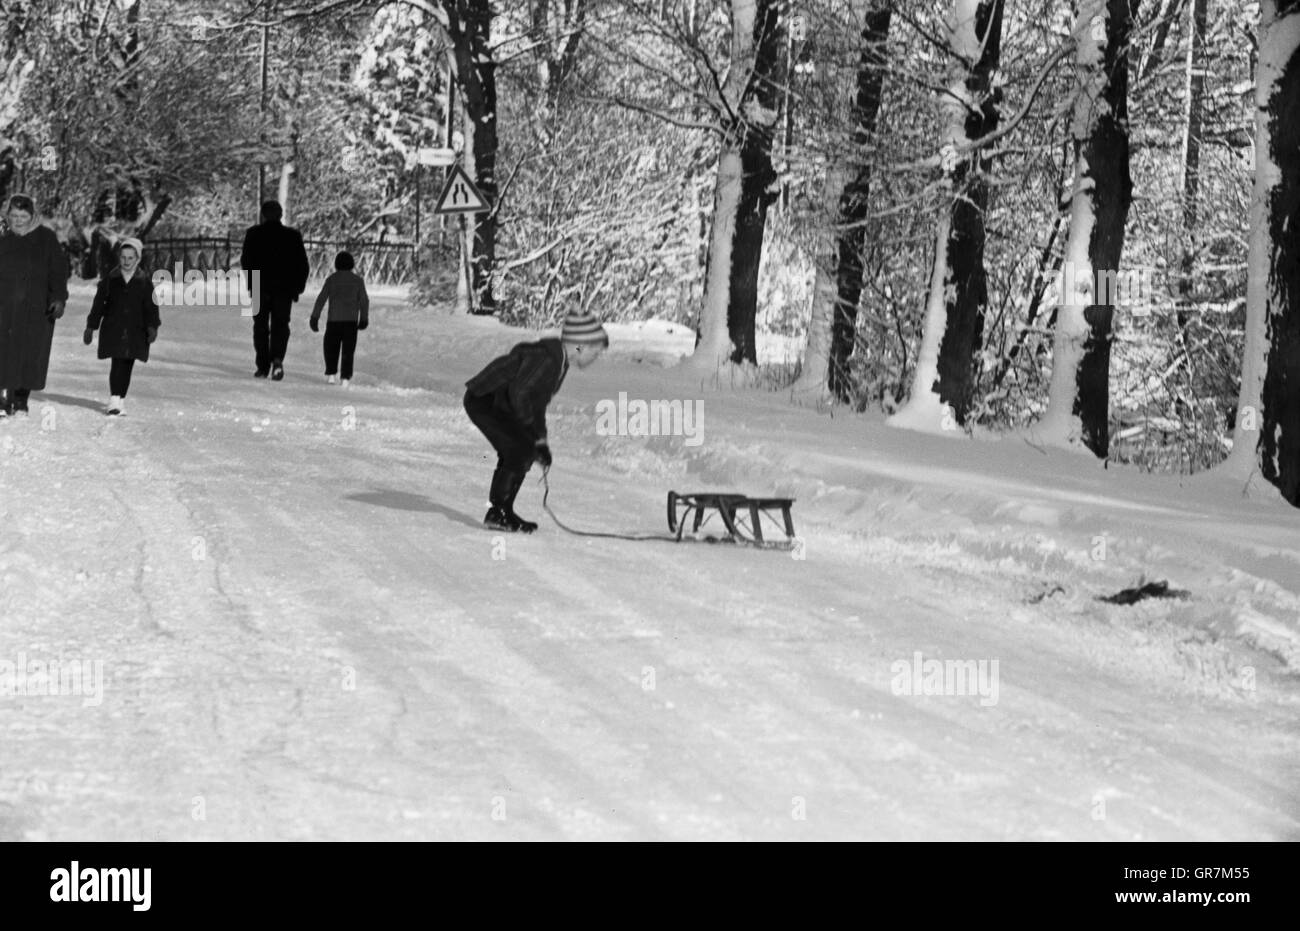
[
  {"x": 832, "y": 329},
  {"x": 1266, "y": 437},
  {"x": 1079, "y": 393},
  {"x": 958, "y": 296},
  {"x": 744, "y": 187}
]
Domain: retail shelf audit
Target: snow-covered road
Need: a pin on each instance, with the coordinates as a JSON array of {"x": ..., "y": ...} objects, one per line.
[{"x": 304, "y": 632}]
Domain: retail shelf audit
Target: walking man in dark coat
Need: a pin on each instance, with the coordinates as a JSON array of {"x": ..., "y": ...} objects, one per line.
[
  {"x": 33, "y": 291},
  {"x": 275, "y": 252}
]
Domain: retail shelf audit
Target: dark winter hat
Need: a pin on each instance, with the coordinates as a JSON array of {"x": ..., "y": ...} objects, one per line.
[
  {"x": 271, "y": 210},
  {"x": 22, "y": 202},
  {"x": 344, "y": 262},
  {"x": 582, "y": 328}
]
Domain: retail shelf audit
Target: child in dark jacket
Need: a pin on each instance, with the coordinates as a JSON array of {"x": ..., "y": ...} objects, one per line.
[
  {"x": 125, "y": 311},
  {"x": 507, "y": 402},
  {"x": 349, "y": 313}
]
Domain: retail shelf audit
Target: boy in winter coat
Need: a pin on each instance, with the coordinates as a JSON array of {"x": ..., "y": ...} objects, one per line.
[
  {"x": 125, "y": 311},
  {"x": 507, "y": 402},
  {"x": 349, "y": 313}
]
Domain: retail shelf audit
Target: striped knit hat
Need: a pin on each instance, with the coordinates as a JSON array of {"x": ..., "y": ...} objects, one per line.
[{"x": 582, "y": 327}]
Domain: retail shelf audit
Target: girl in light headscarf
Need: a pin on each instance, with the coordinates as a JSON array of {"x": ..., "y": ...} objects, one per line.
[{"x": 125, "y": 312}]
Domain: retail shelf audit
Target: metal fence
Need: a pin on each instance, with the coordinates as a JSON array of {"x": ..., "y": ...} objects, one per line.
[{"x": 377, "y": 263}]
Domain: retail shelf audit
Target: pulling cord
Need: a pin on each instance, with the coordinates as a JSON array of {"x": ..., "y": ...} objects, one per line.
[{"x": 546, "y": 485}]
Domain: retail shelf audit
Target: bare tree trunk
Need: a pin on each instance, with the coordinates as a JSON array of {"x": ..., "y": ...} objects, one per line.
[
  {"x": 557, "y": 31},
  {"x": 743, "y": 189},
  {"x": 963, "y": 336},
  {"x": 1108, "y": 155},
  {"x": 1164, "y": 21},
  {"x": 756, "y": 126},
  {"x": 851, "y": 218},
  {"x": 1192, "y": 157},
  {"x": 954, "y": 327},
  {"x": 469, "y": 25},
  {"x": 1079, "y": 396},
  {"x": 1267, "y": 435}
]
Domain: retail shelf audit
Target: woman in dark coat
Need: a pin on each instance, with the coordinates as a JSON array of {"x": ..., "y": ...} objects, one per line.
[
  {"x": 125, "y": 312},
  {"x": 33, "y": 292}
]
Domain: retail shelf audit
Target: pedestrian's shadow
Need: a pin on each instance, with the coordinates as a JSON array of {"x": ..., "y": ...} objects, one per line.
[
  {"x": 406, "y": 501},
  {"x": 69, "y": 400}
]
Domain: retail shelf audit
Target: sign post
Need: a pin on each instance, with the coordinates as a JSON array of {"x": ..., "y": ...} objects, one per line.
[
  {"x": 435, "y": 157},
  {"x": 459, "y": 196}
]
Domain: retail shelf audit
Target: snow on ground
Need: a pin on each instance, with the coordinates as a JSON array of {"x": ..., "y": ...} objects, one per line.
[{"x": 304, "y": 633}]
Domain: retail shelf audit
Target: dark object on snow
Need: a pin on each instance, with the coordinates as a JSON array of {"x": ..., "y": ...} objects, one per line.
[
  {"x": 742, "y": 516},
  {"x": 1141, "y": 592},
  {"x": 1045, "y": 594}
]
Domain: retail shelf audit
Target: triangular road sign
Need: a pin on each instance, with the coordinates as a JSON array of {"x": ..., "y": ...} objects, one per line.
[{"x": 460, "y": 195}]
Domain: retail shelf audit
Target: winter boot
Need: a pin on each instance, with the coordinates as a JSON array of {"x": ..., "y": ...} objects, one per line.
[
  {"x": 114, "y": 406},
  {"x": 516, "y": 481},
  {"x": 495, "y": 518}
]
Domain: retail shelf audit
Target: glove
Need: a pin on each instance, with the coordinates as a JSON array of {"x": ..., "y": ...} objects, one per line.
[
  {"x": 55, "y": 311},
  {"x": 363, "y": 324},
  {"x": 315, "y": 324},
  {"x": 152, "y": 332},
  {"x": 543, "y": 455},
  {"x": 88, "y": 337}
]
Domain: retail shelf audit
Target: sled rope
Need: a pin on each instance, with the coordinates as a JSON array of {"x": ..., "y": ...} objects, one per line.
[{"x": 636, "y": 537}]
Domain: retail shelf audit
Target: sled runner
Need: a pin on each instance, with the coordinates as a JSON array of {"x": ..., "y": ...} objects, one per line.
[{"x": 742, "y": 516}]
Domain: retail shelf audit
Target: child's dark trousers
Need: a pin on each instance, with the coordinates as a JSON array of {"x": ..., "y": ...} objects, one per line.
[{"x": 340, "y": 336}]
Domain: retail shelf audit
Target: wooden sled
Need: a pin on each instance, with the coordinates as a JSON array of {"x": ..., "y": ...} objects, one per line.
[{"x": 742, "y": 517}]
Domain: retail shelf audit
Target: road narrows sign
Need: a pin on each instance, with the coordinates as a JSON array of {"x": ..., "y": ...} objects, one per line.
[{"x": 460, "y": 195}]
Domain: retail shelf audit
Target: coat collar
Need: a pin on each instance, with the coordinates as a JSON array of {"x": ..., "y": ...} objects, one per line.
[{"x": 116, "y": 274}]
